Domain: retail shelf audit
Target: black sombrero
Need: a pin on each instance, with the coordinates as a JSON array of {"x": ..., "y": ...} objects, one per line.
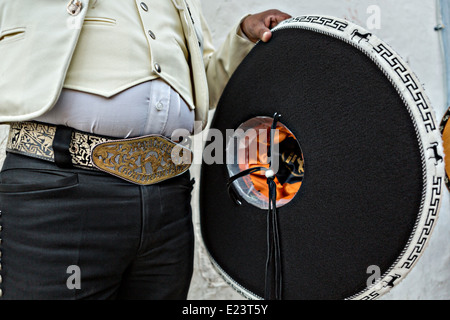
[{"x": 360, "y": 170}]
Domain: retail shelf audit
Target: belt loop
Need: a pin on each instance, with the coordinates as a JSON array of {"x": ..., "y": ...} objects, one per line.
[{"x": 61, "y": 147}]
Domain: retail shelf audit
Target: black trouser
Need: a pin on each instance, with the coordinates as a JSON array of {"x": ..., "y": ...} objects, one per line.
[{"x": 63, "y": 228}]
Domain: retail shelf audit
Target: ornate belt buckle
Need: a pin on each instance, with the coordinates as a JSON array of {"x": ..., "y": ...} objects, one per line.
[{"x": 144, "y": 160}]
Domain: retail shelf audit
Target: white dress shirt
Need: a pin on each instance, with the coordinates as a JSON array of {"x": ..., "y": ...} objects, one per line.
[{"x": 152, "y": 107}]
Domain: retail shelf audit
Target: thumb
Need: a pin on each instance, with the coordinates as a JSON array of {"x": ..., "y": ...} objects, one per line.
[
  {"x": 266, "y": 35},
  {"x": 257, "y": 26}
]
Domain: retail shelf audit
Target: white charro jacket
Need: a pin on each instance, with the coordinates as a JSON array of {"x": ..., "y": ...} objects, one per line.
[{"x": 38, "y": 40}]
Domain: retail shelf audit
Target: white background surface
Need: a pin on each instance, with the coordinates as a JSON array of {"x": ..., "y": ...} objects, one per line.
[{"x": 408, "y": 26}]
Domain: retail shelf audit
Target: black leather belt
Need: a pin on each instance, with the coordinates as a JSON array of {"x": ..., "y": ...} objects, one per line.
[{"x": 143, "y": 160}]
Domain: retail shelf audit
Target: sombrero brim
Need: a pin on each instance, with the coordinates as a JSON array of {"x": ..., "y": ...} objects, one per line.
[{"x": 371, "y": 145}]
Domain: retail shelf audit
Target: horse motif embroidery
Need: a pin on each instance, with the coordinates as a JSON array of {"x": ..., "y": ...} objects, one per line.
[{"x": 361, "y": 36}]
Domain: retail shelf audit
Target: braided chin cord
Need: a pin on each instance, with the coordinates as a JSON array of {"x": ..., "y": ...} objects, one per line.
[{"x": 273, "y": 272}]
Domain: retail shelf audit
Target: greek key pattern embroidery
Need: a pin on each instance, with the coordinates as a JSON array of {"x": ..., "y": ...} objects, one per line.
[
  {"x": 410, "y": 84},
  {"x": 324, "y": 21},
  {"x": 371, "y": 296},
  {"x": 430, "y": 221}
]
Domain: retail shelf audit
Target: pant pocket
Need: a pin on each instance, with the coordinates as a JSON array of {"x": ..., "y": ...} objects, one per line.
[{"x": 35, "y": 180}]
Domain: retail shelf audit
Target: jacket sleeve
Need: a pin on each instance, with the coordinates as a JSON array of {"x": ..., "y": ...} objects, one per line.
[{"x": 221, "y": 63}]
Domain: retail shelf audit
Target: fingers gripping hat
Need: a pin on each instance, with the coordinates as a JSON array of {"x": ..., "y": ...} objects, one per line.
[{"x": 354, "y": 196}]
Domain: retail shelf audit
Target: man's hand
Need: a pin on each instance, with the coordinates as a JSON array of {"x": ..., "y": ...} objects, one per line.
[{"x": 257, "y": 26}]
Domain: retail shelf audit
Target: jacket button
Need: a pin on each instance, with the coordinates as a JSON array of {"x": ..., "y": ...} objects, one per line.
[
  {"x": 74, "y": 7},
  {"x": 157, "y": 67},
  {"x": 151, "y": 34},
  {"x": 144, "y": 6},
  {"x": 159, "y": 106}
]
